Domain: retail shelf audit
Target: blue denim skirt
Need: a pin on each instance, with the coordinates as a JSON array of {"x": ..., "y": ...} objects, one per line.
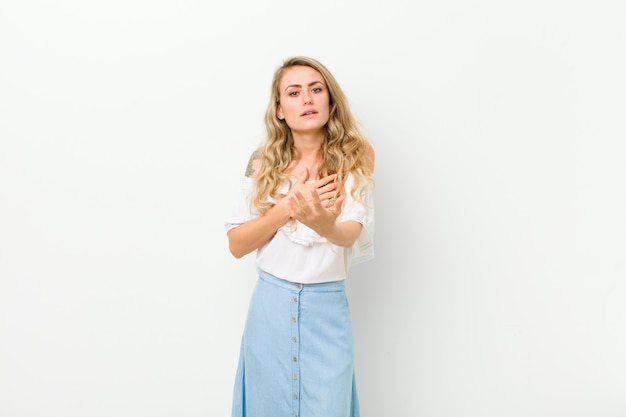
[{"x": 296, "y": 355}]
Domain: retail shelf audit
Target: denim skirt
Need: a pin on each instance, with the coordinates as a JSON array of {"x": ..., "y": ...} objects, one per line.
[{"x": 296, "y": 356}]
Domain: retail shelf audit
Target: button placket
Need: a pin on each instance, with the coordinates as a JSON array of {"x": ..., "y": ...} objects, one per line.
[{"x": 295, "y": 347}]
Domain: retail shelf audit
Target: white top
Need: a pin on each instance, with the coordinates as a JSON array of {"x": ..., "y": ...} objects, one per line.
[{"x": 297, "y": 253}]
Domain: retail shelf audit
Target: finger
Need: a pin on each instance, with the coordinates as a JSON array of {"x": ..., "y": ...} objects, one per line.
[
  {"x": 326, "y": 191},
  {"x": 292, "y": 206},
  {"x": 303, "y": 178},
  {"x": 326, "y": 188},
  {"x": 327, "y": 195},
  {"x": 303, "y": 204},
  {"x": 327, "y": 180},
  {"x": 296, "y": 208},
  {"x": 316, "y": 200},
  {"x": 336, "y": 207}
]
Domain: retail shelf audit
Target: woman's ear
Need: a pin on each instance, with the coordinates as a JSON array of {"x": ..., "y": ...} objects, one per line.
[{"x": 279, "y": 113}]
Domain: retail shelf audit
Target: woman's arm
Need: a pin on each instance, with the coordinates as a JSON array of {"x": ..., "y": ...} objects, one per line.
[
  {"x": 343, "y": 233},
  {"x": 253, "y": 234}
]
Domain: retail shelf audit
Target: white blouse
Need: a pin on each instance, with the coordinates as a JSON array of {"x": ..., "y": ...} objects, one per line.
[{"x": 297, "y": 253}]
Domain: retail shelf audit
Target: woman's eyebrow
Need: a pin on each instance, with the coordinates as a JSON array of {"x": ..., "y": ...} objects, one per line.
[{"x": 299, "y": 86}]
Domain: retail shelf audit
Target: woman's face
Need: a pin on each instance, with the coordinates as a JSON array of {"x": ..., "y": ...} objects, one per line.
[{"x": 304, "y": 100}]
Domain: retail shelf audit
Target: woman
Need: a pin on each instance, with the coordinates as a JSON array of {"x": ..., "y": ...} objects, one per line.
[{"x": 306, "y": 208}]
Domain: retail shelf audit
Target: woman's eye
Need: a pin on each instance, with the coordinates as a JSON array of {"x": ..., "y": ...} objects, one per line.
[
  {"x": 317, "y": 90},
  {"x": 293, "y": 93}
]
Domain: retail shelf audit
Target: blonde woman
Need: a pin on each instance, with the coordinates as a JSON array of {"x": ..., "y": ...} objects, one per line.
[{"x": 306, "y": 208}]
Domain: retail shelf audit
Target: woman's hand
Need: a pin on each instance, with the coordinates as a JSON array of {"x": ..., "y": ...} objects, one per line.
[
  {"x": 324, "y": 187},
  {"x": 312, "y": 211},
  {"x": 316, "y": 206}
]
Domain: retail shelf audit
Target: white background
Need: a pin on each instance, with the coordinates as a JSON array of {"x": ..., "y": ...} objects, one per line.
[{"x": 499, "y": 286}]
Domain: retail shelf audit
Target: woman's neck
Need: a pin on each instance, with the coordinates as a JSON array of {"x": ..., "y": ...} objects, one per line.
[
  {"x": 306, "y": 165},
  {"x": 309, "y": 159},
  {"x": 308, "y": 143}
]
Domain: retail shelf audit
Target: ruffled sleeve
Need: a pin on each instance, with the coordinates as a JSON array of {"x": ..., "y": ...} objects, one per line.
[
  {"x": 362, "y": 212},
  {"x": 243, "y": 210}
]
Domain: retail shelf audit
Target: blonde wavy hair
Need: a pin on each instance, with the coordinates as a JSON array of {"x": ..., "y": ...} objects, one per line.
[{"x": 345, "y": 149}]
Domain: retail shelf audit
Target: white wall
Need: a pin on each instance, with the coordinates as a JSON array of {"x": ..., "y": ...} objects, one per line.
[{"x": 499, "y": 287}]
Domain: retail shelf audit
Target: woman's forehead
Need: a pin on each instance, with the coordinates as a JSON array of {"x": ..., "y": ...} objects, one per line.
[{"x": 300, "y": 75}]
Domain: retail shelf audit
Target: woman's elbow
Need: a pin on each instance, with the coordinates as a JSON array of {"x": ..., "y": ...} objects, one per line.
[
  {"x": 236, "y": 250},
  {"x": 235, "y": 247}
]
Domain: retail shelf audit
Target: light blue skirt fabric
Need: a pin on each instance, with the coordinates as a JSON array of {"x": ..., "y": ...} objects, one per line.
[{"x": 296, "y": 355}]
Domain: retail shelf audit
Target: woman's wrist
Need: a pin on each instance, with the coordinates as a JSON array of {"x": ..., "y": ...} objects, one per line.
[{"x": 281, "y": 210}]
